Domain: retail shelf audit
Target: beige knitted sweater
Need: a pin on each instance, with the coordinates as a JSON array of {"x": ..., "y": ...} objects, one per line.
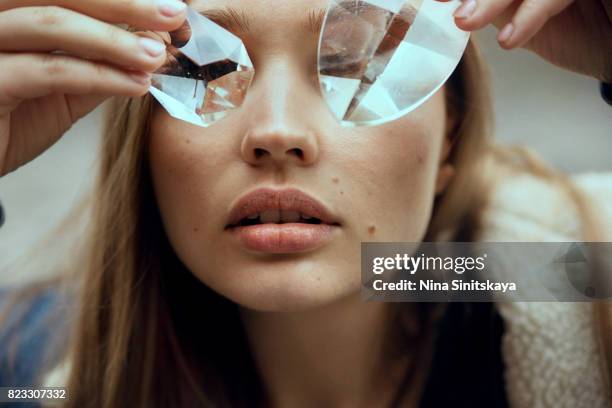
[{"x": 553, "y": 356}]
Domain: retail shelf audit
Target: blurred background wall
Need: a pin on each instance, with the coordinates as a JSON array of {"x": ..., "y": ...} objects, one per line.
[{"x": 558, "y": 114}]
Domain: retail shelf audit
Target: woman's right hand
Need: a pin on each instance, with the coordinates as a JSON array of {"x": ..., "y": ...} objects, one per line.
[{"x": 60, "y": 59}]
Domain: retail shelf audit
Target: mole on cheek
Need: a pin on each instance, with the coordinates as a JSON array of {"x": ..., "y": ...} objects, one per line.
[
  {"x": 423, "y": 151},
  {"x": 335, "y": 180},
  {"x": 420, "y": 158},
  {"x": 372, "y": 229}
]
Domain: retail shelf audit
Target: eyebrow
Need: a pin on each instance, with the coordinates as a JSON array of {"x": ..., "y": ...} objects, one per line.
[
  {"x": 233, "y": 19},
  {"x": 229, "y": 18}
]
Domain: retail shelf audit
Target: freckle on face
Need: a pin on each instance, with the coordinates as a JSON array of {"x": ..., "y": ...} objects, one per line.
[{"x": 335, "y": 179}]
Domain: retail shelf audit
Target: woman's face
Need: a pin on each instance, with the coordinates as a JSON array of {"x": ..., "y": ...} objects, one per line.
[{"x": 365, "y": 184}]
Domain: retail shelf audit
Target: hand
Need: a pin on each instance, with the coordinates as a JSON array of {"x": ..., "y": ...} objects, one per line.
[
  {"x": 62, "y": 58},
  {"x": 572, "y": 34}
]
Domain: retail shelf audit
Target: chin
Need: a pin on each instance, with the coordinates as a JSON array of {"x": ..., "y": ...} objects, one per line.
[{"x": 284, "y": 284}]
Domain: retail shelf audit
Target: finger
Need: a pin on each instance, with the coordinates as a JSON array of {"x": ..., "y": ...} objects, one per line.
[
  {"x": 161, "y": 15},
  {"x": 528, "y": 20},
  {"x": 162, "y": 37},
  {"x": 54, "y": 28},
  {"x": 27, "y": 76},
  {"x": 476, "y": 14}
]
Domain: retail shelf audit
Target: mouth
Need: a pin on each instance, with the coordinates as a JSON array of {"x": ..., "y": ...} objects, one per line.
[
  {"x": 277, "y": 217},
  {"x": 281, "y": 221}
]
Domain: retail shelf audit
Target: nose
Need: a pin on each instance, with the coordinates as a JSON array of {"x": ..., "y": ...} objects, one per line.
[
  {"x": 280, "y": 144},
  {"x": 282, "y": 129}
]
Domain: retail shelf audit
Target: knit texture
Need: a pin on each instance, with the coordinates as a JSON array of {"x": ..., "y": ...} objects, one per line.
[{"x": 552, "y": 354}]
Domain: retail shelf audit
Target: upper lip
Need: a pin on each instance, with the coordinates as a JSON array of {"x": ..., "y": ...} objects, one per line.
[{"x": 291, "y": 199}]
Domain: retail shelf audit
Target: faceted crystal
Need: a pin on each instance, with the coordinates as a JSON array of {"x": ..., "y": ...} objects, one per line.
[
  {"x": 381, "y": 59},
  {"x": 207, "y": 73}
]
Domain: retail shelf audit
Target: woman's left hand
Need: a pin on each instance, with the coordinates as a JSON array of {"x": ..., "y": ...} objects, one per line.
[{"x": 572, "y": 34}]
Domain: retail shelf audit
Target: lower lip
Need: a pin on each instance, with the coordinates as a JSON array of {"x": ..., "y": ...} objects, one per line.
[{"x": 283, "y": 238}]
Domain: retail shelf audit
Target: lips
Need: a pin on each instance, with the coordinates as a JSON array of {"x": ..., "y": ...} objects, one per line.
[{"x": 280, "y": 221}]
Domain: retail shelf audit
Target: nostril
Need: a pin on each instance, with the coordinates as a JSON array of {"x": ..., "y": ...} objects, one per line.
[
  {"x": 298, "y": 152},
  {"x": 259, "y": 153}
]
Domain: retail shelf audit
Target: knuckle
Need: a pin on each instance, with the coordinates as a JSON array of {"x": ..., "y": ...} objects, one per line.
[
  {"x": 101, "y": 74},
  {"x": 49, "y": 16},
  {"x": 100, "y": 71},
  {"x": 114, "y": 35},
  {"x": 53, "y": 66}
]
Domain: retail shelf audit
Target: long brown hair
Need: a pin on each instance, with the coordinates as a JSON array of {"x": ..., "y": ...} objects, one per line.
[{"x": 134, "y": 342}]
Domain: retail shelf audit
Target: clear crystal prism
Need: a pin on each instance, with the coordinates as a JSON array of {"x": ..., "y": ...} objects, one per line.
[
  {"x": 206, "y": 75},
  {"x": 381, "y": 59}
]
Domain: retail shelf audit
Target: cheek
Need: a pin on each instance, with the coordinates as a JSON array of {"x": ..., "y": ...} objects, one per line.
[
  {"x": 183, "y": 172},
  {"x": 394, "y": 168}
]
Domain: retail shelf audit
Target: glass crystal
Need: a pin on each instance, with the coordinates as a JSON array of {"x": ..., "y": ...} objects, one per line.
[
  {"x": 381, "y": 59},
  {"x": 207, "y": 72}
]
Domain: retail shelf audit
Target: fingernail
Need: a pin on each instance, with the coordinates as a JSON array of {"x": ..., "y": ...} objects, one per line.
[
  {"x": 171, "y": 8},
  {"x": 466, "y": 10},
  {"x": 141, "y": 78},
  {"x": 506, "y": 33},
  {"x": 151, "y": 47}
]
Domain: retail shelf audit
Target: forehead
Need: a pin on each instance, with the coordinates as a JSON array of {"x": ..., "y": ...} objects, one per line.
[{"x": 266, "y": 14}]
